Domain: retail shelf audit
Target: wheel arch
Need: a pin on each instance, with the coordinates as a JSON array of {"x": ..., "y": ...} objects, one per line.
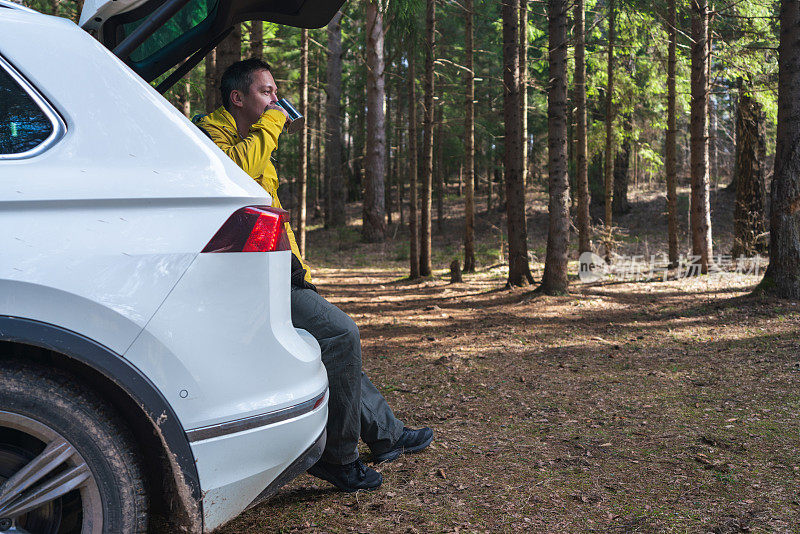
[{"x": 173, "y": 477}]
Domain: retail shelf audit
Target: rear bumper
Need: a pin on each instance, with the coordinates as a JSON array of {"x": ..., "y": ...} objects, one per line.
[
  {"x": 297, "y": 468},
  {"x": 239, "y": 470}
]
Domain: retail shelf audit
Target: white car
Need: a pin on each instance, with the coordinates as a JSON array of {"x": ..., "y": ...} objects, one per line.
[{"x": 148, "y": 362}]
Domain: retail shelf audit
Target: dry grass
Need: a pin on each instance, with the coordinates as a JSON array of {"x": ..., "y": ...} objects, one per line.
[{"x": 621, "y": 407}]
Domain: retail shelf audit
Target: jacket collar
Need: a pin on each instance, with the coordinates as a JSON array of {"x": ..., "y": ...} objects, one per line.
[{"x": 223, "y": 119}]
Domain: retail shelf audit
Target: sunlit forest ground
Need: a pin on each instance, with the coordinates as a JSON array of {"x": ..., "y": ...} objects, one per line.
[{"x": 639, "y": 406}]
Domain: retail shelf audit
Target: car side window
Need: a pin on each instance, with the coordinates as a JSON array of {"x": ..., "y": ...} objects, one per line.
[{"x": 23, "y": 124}]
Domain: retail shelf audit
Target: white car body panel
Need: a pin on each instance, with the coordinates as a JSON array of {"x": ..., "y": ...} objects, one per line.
[
  {"x": 102, "y": 236},
  {"x": 235, "y": 469}
]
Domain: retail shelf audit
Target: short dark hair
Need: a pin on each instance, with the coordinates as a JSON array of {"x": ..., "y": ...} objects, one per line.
[{"x": 239, "y": 76}]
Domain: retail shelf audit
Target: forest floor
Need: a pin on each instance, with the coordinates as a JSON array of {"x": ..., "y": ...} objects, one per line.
[{"x": 624, "y": 406}]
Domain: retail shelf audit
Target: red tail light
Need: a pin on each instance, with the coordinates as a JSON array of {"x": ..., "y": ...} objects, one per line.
[{"x": 252, "y": 229}]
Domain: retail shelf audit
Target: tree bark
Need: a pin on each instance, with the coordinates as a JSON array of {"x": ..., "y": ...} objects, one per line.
[
  {"x": 783, "y": 274},
  {"x": 257, "y": 39},
  {"x": 523, "y": 84},
  {"x": 469, "y": 141},
  {"x": 302, "y": 178},
  {"x": 609, "y": 160},
  {"x": 373, "y": 229},
  {"x": 555, "y": 278},
  {"x": 672, "y": 146},
  {"x": 619, "y": 203},
  {"x": 519, "y": 272},
  {"x": 413, "y": 165},
  {"x": 748, "y": 212},
  {"x": 319, "y": 145},
  {"x": 211, "y": 89},
  {"x": 229, "y": 51},
  {"x": 425, "y": 267},
  {"x": 186, "y": 97},
  {"x": 335, "y": 215},
  {"x": 584, "y": 236},
  {"x": 387, "y": 191},
  {"x": 701, "y": 206},
  {"x": 439, "y": 166}
]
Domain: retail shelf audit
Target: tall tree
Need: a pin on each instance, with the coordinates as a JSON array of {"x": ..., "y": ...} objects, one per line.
[
  {"x": 211, "y": 81},
  {"x": 229, "y": 51},
  {"x": 783, "y": 274},
  {"x": 748, "y": 211},
  {"x": 580, "y": 117},
  {"x": 257, "y": 39},
  {"x": 427, "y": 143},
  {"x": 439, "y": 162},
  {"x": 373, "y": 229},
  {"x": 302, "y": 179},
  {"x": 523, "y": 83},
  {"x": 519, "y": 272},
  {"x": 609, "y": 159},
  {"x": 335, "y": 214},
  {"x": 413, "y": 166},
  {"x": 701, "y": 202},
  {"x": 671, "y": 141},
  {"x": 619, "y": 203},
  {"x": 554, "y": 279},
  {"x": 469, "y": 141}
]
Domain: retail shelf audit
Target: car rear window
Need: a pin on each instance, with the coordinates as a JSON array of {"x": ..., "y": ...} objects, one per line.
[
  {"x": 189, "y": 16},
  {"x": 23, "y": 125}
]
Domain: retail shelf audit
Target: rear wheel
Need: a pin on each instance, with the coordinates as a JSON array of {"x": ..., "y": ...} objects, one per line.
[{"x": 66, "y": 463}]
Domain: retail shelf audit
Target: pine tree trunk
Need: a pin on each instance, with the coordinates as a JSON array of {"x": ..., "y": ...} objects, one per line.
[
  {"x": 700, "y": 208},
  {"x": 439, "y": 166},
  {"x": 555, "y": 278},
  {"x": 211, "y": 81},
  {"x": 584, "y": 236},
  {"x": 609, "y": 160},
  {"x": 469, "y": 141},
  {"x": 186, "y": 95},
  {"x": 748, "y": 212},
  {"x": 519, "y": 272},
  {"x": 413, "y": 166},
  {"x": 257, "y": 39},
  {"x": 319, "y": 145},
  {"x": 335, "y": 215},
  {"x": 302, "y": 178},
  {"x": 783, "y": 273},
  {"x": 387, "y": 192},
  {"x": 523, "y": 84},
  {"x": 427, "y": 143},
  {"x": 672, "y": 130},
  {"x": 373, "y": 229},
  {"x": 619, "y": 203},
  {"x": 78, "y": 9},
  {"x": 229, "y": 51}
]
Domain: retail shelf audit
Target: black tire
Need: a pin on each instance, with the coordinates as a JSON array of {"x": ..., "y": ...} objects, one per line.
[{"x": 98, "y": 482}]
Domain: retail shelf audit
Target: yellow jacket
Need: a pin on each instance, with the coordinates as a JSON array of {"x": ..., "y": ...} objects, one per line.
[{"x": 252, "y": 153}]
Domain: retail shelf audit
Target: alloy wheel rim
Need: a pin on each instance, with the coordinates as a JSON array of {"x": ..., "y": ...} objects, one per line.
[{"x": 45, "y": 479}]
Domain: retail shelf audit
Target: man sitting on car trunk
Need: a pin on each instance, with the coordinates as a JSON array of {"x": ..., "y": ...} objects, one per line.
[{"x": 246, "y": 128}]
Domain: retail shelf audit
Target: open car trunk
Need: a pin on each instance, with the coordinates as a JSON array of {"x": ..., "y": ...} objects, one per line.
[{"x": 153, "y": 36}]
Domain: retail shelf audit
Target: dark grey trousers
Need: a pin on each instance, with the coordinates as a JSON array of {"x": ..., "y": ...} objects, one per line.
[{"x": 356, "y": 408}]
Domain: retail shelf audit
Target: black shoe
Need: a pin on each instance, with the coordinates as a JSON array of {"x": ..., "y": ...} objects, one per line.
[
  {"x": 348, "y": 477},
  {"x": 410, "y": 441}
]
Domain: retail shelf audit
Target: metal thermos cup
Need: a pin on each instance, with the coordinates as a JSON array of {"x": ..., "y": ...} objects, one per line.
[{"x": 295, "y": 121}]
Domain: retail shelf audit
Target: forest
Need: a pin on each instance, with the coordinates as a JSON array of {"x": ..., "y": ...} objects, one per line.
[{"x": 569, "y": 234}]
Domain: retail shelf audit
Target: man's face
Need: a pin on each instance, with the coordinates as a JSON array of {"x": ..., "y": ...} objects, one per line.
[{"x": 261, "y": 93}]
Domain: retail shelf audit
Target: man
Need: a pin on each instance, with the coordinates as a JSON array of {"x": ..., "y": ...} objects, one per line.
[{"x": 246, "y": 128}]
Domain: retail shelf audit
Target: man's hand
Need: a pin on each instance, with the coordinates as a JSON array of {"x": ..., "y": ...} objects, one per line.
[{"x": 274, "y": 105}]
